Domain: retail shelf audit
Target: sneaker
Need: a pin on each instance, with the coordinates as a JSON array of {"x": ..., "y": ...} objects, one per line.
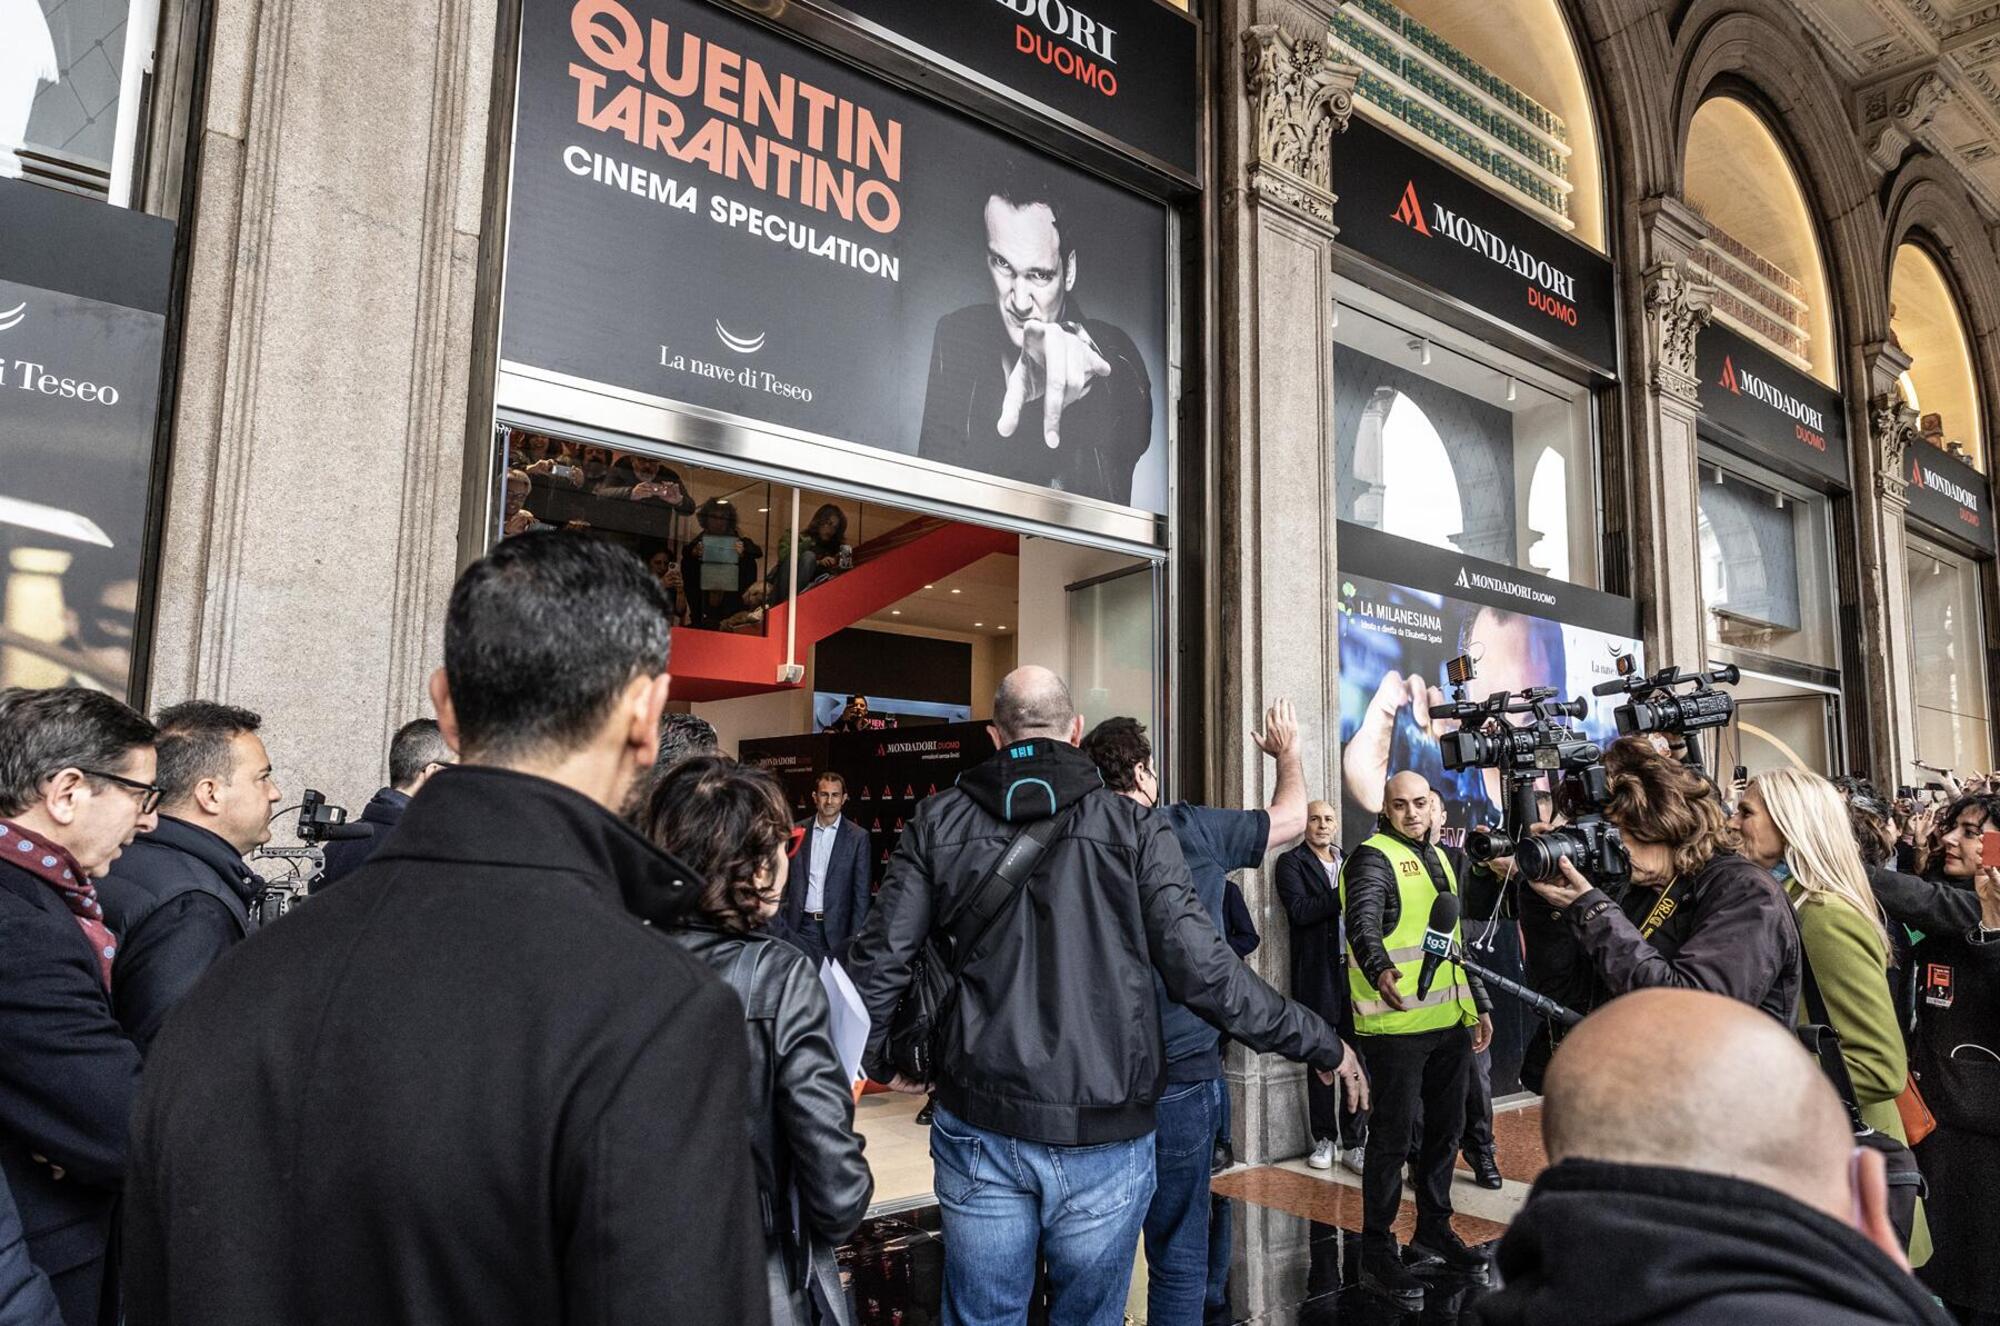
[
  {"x": 1444, "y": 1247},
  {"x": 1354, "y": 1159},
  {"x": 1383, "y": 1272},
  {"x": 1485, "y": 1169},
  {"x": 1322, "y": 1156}
]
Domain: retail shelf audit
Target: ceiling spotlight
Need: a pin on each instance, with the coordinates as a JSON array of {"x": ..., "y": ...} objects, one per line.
[
  {"x": 958, "y": 591},
  {"x": 979, "y": 623},
  {"x": 930, "y": 586},
  {"x": 1513, "y": 390},
  {"x": 1001, "y": 627},
  {"x": 1423, "y": 348},
  {"x": 895, "y": 612},
  {"x": 763, "y": 511}
]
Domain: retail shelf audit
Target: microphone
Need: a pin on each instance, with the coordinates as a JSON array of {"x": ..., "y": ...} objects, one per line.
[{"x": 1437, "y": 940}]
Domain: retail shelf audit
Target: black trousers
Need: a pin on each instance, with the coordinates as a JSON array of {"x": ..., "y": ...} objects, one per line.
[
  {"x": 1478, "y": 1134},
  {"x": 1408, "y": 1075},
  {"x": 1326, "y": 1106}
]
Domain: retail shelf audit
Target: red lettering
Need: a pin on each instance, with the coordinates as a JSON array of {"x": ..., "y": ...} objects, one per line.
[
  {"x": 1065, "y": 61},
  {"x": 1024, "y": 40},
  {"x": 1543, "y": 302},
  {"x": 1969, "y": 517},
  {"x": 1810, "y": 438}
]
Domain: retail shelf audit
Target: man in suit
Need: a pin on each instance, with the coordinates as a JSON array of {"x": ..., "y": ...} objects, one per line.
[
  {"x": 417, "y": 751},
  {"x": 472, "y": 1081},
  {"x": 182, "y": 894},
  {"x": 76, "y": 785},
  {"x": 1025, "y": 386},
  {"x": 1309, "y": 888},
  {"x": 827, "y": 898}
]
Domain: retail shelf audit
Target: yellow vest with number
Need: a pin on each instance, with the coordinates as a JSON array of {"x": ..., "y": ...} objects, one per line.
[{"x": 1449, "y": 1004}]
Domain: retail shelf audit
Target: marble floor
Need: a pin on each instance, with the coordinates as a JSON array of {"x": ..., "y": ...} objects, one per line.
[{"x": 1295, "y": 1235}]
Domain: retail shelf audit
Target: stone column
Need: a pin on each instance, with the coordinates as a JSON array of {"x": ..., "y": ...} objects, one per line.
[
  {"x": 1890, "y": 681},
  {"x": 1271, "y": 608},
  {"x": 313, "y": 503},
  {"x": 1677, "y": 303}
]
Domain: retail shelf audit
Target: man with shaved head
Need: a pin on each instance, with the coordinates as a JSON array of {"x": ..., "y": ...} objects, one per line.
[
  {"x": 1418, "y": 1047},
  {"x": 1701, "y": 1170},
  {"x": 1049, "y": 1060}
]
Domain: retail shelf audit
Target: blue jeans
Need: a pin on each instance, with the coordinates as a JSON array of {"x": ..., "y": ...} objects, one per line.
[
  {"x": 1177, "y": 1223},
  {"x": 1005, "y": 1202}
]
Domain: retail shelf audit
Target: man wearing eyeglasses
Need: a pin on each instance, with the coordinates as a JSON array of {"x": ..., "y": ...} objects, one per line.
[
  {"x": 181, "y": 895},
  {"x": 76, "y": 784}
]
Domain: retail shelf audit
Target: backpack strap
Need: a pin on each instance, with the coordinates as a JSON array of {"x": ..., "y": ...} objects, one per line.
[
  {"x": 1820, "y": 1037},
  {"x": 967, "y": 922}
]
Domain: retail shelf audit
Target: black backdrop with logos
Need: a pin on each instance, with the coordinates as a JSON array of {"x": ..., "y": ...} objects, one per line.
[
  {"x": 1410, "y": 212},
  {"x": 1769, "y": 409},
  {"x": 647, "y": 254},
  {"x": 1950, "y": 496},
  {"x": 83, "y": 302},
  {"x": 1147, "y": 100}
]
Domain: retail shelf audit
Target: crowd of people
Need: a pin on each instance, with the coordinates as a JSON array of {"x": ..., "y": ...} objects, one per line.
[
  {"x": 552, "y": 1039},
  {"x": 715, "y": 574}
]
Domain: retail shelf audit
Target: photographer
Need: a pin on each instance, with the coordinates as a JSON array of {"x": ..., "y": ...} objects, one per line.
[{"x": 1695, "y": 914}]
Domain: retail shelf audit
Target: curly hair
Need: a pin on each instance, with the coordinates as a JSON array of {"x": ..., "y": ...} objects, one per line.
[
  {"x": 1654, "y": 798},
  {"x": 1868, "y": 815},
  {"x": 727, "y": 822},
  {"x": 1118, "y": 746}
]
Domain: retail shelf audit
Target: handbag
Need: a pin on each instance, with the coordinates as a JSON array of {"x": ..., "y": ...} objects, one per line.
[
  {"x": 1905, "y": 1180},
  {"x": 1918, "y": 1121},
  {"x": 921, "y": 1012}
]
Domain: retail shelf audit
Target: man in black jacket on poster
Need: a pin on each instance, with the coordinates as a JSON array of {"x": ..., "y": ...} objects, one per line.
[
  {"x": 181, "y": 895},
  {"x": 1702, "y": 1170},
  {"x": 1050, "y": 1058},
  {"x": 470, "y": 1084},
  {"x": 417, "y": 751},
  {"x": 76, "y": 783}
]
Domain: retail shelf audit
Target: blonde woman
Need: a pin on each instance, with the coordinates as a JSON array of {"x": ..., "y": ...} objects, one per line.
[{"x": 1795, "y": 825}]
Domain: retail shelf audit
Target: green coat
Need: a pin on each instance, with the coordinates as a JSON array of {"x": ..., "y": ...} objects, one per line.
[{"x": 1851, "y": 966}]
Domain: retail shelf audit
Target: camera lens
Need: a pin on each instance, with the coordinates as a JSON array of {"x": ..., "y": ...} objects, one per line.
[
  {"x": 1485, "y": 844},
  {"x": 1539, "y": 855}
]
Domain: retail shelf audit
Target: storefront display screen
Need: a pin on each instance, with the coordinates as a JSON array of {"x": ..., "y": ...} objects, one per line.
[
  {"x": 1123, "y": 67},
  {"x": 83, "y": 301},
  {"x": 1410, "y": 212},
  {"x": 706, "y": 213},
  {"x": 1777, "y": 412}
]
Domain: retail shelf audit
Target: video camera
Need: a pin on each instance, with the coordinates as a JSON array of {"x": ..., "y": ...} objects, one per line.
[
  {"x": 1654, "y": 707},
  {"x": 319, "y": 822}
]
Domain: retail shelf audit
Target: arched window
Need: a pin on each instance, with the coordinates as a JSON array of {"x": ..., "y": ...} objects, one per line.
[
  {"x": 1941, "y": 385},
  {"x": 1548, "y": 515},
  {"x": 1418, "y": 503}
]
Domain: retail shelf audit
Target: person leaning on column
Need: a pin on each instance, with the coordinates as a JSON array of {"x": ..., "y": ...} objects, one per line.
[{"x": 1418, "y": 1049}]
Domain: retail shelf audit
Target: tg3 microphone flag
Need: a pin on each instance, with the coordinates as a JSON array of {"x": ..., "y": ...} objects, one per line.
[{"x": 1437, "y": 940}]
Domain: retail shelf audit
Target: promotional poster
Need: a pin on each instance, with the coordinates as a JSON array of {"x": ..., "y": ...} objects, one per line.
[
  {"x": 83, "y": 300},
  {"x": 706, "y": 212},
  {"x": 1407, "y": 609}
]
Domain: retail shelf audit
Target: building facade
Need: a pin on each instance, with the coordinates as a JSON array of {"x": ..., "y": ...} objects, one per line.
[{"x": 1547, "y": 331}]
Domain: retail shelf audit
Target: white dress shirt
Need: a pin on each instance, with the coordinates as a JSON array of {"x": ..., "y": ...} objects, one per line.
[{"x": 819, "y": 857}]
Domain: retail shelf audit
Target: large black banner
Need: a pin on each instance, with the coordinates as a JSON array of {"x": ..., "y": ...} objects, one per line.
[
  {"x": 83, "y": 302},
  {"x": 706, "y": 212},
  {"x": 1950, "y": 495},
  {"x": 1409, "y": 211},
  {"x": 1772, "y": 410},
  {"x": 1124, "y": 67}
]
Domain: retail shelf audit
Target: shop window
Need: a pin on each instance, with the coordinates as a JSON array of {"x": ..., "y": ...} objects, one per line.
[
  {"x": 1453, "y": 445},
  {"x": 1948, "y": 660},
  {"x": 1766, "y": 583},
  {"x": 1942, "y": 382},
  {"x": 72, "y": 78},
  {"x": 1112, "y": 647}
]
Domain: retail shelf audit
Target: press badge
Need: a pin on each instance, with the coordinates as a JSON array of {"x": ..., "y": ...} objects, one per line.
[{"x": 1937, "y": 985}]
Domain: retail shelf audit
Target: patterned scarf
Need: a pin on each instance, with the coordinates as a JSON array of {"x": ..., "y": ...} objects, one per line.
[{"x": 59, "y": 870}]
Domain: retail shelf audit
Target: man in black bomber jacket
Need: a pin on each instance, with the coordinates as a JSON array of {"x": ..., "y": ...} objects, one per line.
[{"x": 1051, "y": 1054}]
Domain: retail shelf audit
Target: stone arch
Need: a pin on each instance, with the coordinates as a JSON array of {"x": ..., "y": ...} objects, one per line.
[
  {"x": 1927, "y": 205},
  {"x": 1756, "y": 51}
]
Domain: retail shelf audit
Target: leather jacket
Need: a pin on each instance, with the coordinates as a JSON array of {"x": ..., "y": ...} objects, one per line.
[{"x": 801, "y": 1103}]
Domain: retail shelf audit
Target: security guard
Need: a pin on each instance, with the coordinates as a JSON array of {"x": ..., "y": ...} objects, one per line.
[{"x": 1418, "y": 1051}]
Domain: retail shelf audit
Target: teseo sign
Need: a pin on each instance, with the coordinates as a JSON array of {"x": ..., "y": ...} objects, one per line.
[
  {"x": 1122, "y": 68},
  {"x": 83, "y": 304},
  {"x": 1950, "y": 495},
  {"x": 1408, "y": 211},
  {"x": 1769, "y": 408}
]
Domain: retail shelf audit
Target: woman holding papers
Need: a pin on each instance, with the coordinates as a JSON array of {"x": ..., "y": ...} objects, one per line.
[{"x": 730, "y": 826}]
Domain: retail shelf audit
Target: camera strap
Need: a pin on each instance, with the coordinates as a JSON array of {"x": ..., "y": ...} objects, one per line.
[{"x": 1662, "y": 909}]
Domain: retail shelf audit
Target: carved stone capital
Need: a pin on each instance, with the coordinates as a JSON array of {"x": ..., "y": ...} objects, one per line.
[
  {"x": 1678, "y": 306},
  {"x": 1892, "y": 427},
  {"x": 1300, "y": 98},
  {"x": 1894, "y": 114}
]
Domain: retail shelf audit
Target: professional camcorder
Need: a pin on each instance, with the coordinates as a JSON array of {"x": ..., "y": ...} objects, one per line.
[
  {"x": 1655, "y": 707},
  {"x": 319, "y": 822}
]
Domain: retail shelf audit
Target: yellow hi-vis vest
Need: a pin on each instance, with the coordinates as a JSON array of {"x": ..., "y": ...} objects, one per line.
[{"x": 1449, "y": 1004}]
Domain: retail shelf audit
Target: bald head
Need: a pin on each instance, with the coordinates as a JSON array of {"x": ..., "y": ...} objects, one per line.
[
  {"x": 1034, "y": 702},
  {"x": 1690, "y": 1080},
  {"x": 1409, "y": 805}
]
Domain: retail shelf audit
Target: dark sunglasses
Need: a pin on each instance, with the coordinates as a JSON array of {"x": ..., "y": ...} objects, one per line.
[{"x": 148, "y": 793}]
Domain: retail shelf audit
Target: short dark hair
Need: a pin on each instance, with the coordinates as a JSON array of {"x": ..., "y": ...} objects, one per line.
[
  {"x": 417, "y": 745},
  {"x": 1023, "y": 186},
  {"x": 724, "y": 821},
  {"x": 829, "y": 776},
  {"x": 1118, "y": 746},
  {"x": 682, "y": 735},
  {"x": 541, "y": 636},
  {"x": 194, "y": 744},
  {"x": 43, "y": 732}
]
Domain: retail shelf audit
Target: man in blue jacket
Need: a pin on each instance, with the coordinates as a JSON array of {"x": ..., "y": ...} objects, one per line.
[
  {"x": 417, "y": 751},
  {"x": 827, "y": 898}
]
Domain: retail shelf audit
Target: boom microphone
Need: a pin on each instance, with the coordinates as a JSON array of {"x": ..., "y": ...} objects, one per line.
[{"x": 1437, "y": 939}]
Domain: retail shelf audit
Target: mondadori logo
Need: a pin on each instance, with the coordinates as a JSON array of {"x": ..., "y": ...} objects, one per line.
[
  {"x": 1808, "y": 423},
  {"x": 1930, "y": 480},
  {"x": 1551, "y": 290}
]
